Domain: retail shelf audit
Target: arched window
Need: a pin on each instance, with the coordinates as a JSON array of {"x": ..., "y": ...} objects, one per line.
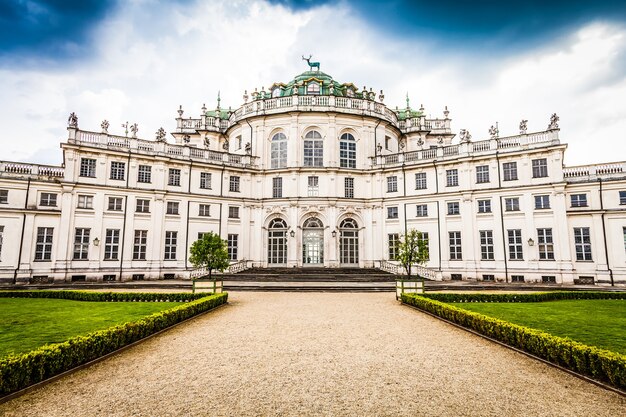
[
  {"x": 313, "y": 149},
  {"x": 347, "y": 151},
  {"x": 277, "y": 242},
  {"x": 313, "y": 88},
  {"x": 349, "y": 242},
  {"x": 313, "y": 241},
  {"x": 276, "y": 92},
  {"x": 279, "y": 151}
]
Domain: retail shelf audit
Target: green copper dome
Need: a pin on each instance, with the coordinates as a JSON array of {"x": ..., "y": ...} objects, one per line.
[{"x": 313, "y": 83}]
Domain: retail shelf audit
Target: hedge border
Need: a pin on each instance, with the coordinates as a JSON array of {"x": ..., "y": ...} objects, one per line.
[
  {"x": 525, "y": 298},
  {"x": 104, "y": 296},
  {"x": 20, "y": 371},
  {"x": 599, "y": 364}
]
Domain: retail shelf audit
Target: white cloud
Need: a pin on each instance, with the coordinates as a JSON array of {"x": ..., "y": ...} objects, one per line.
[{"x": 151, "y": 57}]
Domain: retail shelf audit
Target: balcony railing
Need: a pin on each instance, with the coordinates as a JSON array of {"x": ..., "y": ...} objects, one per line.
[
  {"x": 18, "y": 168},
  {"x": 511, "y": 143},
  {"x": 583, "y": 173},
  {"x": 146, "y": 147}
]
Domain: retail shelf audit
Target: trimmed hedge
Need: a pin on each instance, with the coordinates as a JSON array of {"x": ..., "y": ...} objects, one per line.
[
  {"x": 103, "y": 296},
  {"x": 599, "y": 364},
  {"x": 526, "y": 298},
  {"x": 20, "y": 371}
]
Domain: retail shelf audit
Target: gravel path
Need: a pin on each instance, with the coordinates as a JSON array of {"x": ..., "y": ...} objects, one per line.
[{"x": 317, "y": 354}]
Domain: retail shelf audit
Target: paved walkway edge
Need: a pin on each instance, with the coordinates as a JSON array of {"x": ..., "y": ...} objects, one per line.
[
  {"x": 569, "y": 371},
  {"x": 100, "y": 359}
]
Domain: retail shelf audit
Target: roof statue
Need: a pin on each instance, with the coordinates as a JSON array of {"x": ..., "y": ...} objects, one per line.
[
  {"x": 554, "y": 122},
  {"x": 523, "y": 127},
  {"x": 105, "y": 126},
  {"x": 311, "y": 64},
  {"x": 72, "y": 121}
]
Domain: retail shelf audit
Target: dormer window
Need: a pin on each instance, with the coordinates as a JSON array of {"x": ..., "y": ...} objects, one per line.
[
  {"x": 276, "y": 92},
  {"x": 313, "y": 88},
  {"x": 350, "y": 92}
]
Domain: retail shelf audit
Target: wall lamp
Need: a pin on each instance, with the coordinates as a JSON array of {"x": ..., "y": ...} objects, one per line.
[
  {"x": 334, "y": 233},
  {"x": 292, "y": 233},
  {"x": 96, "y": 242},
  {"x": 531, "y": 242}
]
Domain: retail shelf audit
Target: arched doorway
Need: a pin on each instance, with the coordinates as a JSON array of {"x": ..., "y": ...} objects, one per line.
[
  {"x": 313, "y": 242},
  {"x": 277, "y": 242},
  {"x": 349, "y": 242}
]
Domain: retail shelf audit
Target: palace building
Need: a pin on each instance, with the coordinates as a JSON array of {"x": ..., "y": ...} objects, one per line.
[{"x": 313, "y": 172}]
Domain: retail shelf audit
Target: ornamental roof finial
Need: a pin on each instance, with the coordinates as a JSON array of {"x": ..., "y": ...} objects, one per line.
[
  {"x": 407, "y": 100},
  {"x": 218, "y": 99}
]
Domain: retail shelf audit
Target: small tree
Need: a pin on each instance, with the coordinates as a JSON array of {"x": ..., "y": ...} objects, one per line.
[
  {"x": 412, "y": 249},
  {"x": 209, "y": 252}
]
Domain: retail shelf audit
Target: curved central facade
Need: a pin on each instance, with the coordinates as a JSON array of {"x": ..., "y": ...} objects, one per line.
[{"x": 313, "y": 172}]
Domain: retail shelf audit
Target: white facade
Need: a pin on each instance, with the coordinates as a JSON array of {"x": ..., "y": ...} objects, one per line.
[{"x": 304, "y": 175}]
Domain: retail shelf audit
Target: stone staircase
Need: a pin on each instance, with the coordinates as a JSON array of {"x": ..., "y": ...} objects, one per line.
[{"x": 310, "y": 279}]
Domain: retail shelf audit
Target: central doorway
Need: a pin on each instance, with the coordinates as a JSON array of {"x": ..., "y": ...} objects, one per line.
[{"x": 313, "y": 242}]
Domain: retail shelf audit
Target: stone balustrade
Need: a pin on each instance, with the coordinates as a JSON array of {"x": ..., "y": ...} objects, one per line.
[
  {"x": 510, "y": 143},
  {"x": 35, "y": 170},
  {"x": 146, "y": 147},
  {"x": 313, "y": 103},
  {"x": 593, "y": 172}
]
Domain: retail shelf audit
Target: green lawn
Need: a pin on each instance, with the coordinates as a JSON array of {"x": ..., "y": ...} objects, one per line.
[
  {"x": 600, "y": 323},
  {"x": 27, "y": 323}
]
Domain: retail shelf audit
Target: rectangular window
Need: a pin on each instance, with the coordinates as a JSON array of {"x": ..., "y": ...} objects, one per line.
[
  {"x": 622, "y": 198},
  {"x": 542, "y": 202},
  {"x": 313, "y": 184},
  {"x": 484, "y": 206},
  {"x": 204, "y": 210},
  {"x": 205, "y": 180},
  {"x": 517, "y": 278},
  {"x": 115, "y": 204},
  {"x": 233, "y": 212},
  {"x": 453, "y": 208},
  {"x": 455, "y": 246},
  {"x": 2, "y": 237},
  {"x": 85, "y": 201},
  {"x": 233, "y": 184},
  {"x": 170, "y": 246},
  {"x": 486, "y": 245},
  {"x": 139, "y": 245},
  {"x": 387, "y": 143},
  {"x": 118, "y": 170},
  {"x": 314, "y": 153},
  {"x": 422, "y": 210},
  {"x": 43, "y": 249},
  {"x": 420, "y": 181},
  {"x": 144, "y": 174},
  {"x": 392, "y": 245},
  {"x": 232, "y": 246},
  {"x": 392, "y": 184},
  {"x": 349, "y": 187},
  {"x": 111, "y": 244},
  {"x": 489, "y": 277},
  {"x": 4, "y": 196},
  {"x": 545, "y": 244},
  {"x": 582, "y": 241},
  {"x": 392, "y": 212},
  {"x": 48, "y": 200},
  {"x": 509, "y": 171},
  {"x": 87, "y": 167},
  {"x": 173, "y": 177},
  {"x": 424, "y": 238},
  {"x": 81, "y": 244},
  {"x": 511, "y": 204},
  {"x": 515, "y": 244},
  {"x": 578, "y": 200},
  {"x": 540, "y": 168},
  {"x": 143, "y": 206},
  {"x": 482, "y": 174},
  {"x": 172, "y": 207},
  {"x": 277, "y": 187},
  {"x": 452, "y": 177}
]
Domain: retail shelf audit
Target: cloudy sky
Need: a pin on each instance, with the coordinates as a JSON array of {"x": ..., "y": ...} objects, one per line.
[{"x": 138, "y": 60}]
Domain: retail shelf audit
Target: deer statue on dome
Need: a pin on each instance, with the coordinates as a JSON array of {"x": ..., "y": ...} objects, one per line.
[{"x": 311, "y": 64}]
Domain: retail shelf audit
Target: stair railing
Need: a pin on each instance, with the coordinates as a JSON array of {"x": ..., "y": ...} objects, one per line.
[{"x": 238, "y": 266}]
